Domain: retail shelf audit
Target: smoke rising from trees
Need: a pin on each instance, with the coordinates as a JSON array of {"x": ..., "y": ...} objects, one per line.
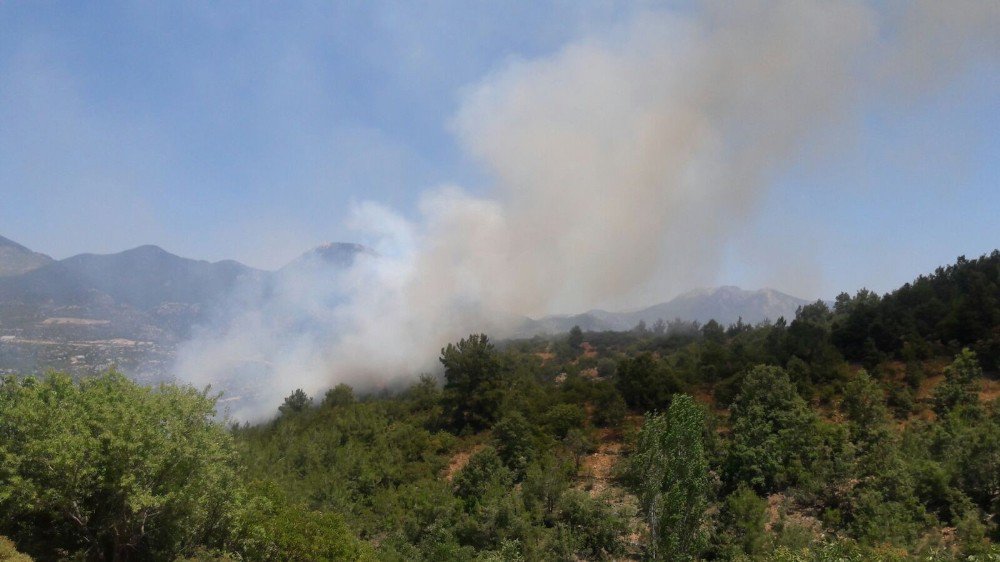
[{"x": 622, "y": 166}]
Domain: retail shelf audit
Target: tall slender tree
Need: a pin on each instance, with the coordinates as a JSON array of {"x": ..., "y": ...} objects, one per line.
[{"x": 670, "y": 470}]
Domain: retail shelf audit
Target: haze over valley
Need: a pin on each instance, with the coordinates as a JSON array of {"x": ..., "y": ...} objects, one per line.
[{"x": 137, "y": 309}]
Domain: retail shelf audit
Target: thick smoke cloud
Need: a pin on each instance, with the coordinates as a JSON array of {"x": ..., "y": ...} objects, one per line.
[{"x": 623, "y": 163}]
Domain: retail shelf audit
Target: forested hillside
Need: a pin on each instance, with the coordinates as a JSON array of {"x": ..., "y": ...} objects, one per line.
[{"x": 865, "y": 431}]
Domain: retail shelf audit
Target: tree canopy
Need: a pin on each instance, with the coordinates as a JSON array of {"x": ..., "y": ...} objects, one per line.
[{"x": 869, "y": 430}]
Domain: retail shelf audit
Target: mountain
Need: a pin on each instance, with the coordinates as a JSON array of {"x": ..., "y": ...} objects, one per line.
[
  {"x": 171, "y": 290},
  {"x": 15, "y": 259},
  {"x": 725, "y": 305},
  {"x": 143, "y": 278},
  {"x": 151, "y": 299},
  {"x": 336, "y": 254},
  {"x": 128, "y": 307}
]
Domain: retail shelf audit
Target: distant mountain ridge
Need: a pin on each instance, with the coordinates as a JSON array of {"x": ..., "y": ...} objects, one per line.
[
  {"x": 725, "y": 305},
  {"x": 144, "y": 293},
  {"x": 143, "y": 277},
  {"x": 147, "y": 294}
]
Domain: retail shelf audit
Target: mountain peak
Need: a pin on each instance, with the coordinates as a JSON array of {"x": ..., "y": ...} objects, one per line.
[
  {"x": 341, "y": 254},
  {"x": 341, "y": 248},
  {"x": 151, "y": 248},
  {"x": 712, "y": 291},
  {"x": 147, "y": 250},
  {"x": 725, "y": 304},
  {"x": 732, "y": 291},
  {"x": 16, "y": 259}
]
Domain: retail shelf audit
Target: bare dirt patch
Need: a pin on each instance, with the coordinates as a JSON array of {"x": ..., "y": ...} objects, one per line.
[
  {"x": 74, "y": 322},
  {"x": 545, "y": 356},
  {"x": 598, "y": 467},
  {"x": 459, "y": 460},
  {"x": 990, "y": 390}
]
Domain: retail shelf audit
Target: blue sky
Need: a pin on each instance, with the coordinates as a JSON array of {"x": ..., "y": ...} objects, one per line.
[{"x": 245, "y": 130}]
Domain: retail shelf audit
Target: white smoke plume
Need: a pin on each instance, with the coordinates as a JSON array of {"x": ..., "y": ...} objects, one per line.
[{"x": 623, "y": 163}]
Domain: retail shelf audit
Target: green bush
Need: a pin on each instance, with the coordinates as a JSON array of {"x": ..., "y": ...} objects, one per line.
[
  {"x": 598, "y": 531},
  {"x": 514, "y": 442},
  {"x": 114, "y": 469},
  {"x": 561, "y": 418},
  {"x": 742, "y": 518}
]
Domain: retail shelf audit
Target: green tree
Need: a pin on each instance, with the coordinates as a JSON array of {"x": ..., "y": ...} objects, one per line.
[
  {"x": 864, "y": 405},
  {"x": 596, "y": 529},
  {"x": 774, "y": 433},
  {"x": 579, "y": 443},
  {"x": 547, "y": 478},
  {"x": 901, "y": 400},
  {"x": 606, "y": 367},
  {"x": 743, "y": 516},
  {"x": 800, "y": 375},
  {"x": 473, "y": 389},
  {"x": 515, "y": 442},
  {"x": 485, "y": 470},
  {"x": 714, "y": 332},
  {"x": 644, "y": 383},
  {"x": 562, "y": 418},
  {"x": 295, "y": 402},
  {"x": 273, "y": 528},
  {"x": 882, "y": 506},
  {"x": 808, "y": 337},
  {"x": 494, "y": 512},
  {"x": 914, "y": 373},
  {"x": 575, "y": 338},
  {"x": 609, "y": 406},
  {"x": 960, "y": 384},
  {"x": 670, "y": 472},
  {"x": 340, "y": 395},
  {"x": 113, "y": 469}
]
